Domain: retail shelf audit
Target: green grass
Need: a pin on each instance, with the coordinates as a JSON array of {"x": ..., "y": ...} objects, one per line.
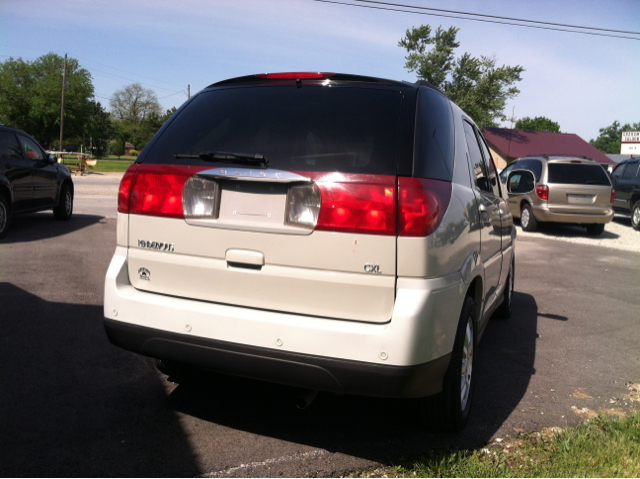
[
  {"x": 604, "y": 447},
  {"x": 112, "y": 165}
]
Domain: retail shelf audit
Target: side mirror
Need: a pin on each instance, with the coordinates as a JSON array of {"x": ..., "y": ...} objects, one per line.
[
  {"x": 53, "y": 158},
  {"x": 520, "y": 182}
]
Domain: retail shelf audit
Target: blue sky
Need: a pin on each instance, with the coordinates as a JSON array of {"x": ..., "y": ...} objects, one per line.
[{"x": 582, "y": 82}]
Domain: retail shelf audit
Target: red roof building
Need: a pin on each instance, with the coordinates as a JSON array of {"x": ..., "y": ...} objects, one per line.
[{"x": 507, "y": 145}]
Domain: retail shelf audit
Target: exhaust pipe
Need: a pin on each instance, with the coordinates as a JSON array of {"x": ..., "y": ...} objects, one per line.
[{"x": 305, "y": 399}]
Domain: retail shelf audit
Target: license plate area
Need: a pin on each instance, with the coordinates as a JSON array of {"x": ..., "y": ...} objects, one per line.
[
  {"x": 581, "y": 199},
  {"x": 251, "y": 206}
]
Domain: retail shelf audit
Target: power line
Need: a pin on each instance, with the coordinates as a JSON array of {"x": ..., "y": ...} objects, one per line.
[
  {"x": 474, "y": 19},
  {"x": 498, "y": 17},
  {"x": 125, "y": 71},
  {"x": 130, "y": 79}
]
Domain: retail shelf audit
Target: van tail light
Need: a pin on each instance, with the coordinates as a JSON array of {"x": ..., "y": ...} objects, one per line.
[
  {"x": 358, "y": 208},
  {"x": 613, "y": 195},
  {"x": 303, "y": 205},
  {"x": 124, "y": 190},
  {"x": 295, "y": 75},
  {"x": 201, "y": 198},
  {"x": 421, "y": 205},
  {"x": 543, "y": 192}
]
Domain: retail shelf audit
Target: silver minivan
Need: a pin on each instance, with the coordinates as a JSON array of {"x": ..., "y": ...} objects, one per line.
[
  {"x": 567, "y": 189},
  {"x": 328, "y": 231}
]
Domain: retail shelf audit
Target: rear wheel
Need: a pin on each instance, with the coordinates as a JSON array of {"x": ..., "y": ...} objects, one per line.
[
  {"x": 527, "y": 220},
  {"x": 449, "y": 410},
  {"x": 595, "y": 229},
  {"x": 64, "y": 210},
  {"x": 4, "y": 217},
  {"x": 635, "y": 216}
]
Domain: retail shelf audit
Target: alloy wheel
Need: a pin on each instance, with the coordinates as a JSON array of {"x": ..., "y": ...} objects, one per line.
[
  {"x": 3, "y": 218},
  {"x": 635, "y": 218},
  {"x": 524, "y": 218},
  {"x": 467, "y": 365},
  {"x": 68, "y": 202}
]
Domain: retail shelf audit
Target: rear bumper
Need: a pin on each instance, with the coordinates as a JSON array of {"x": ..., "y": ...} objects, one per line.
[
  {"x": 405, "y": 357},
  {"x": 301, "y": 370},
  {"x": 599, "y": 216}
]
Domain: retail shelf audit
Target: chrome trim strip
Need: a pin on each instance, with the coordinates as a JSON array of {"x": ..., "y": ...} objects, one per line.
[{"x": 254, "y": 174}]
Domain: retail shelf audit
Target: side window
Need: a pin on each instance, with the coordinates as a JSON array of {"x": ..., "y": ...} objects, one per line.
[
  {"x": 434, "y": 144},
  {"x": 618, "y": 171},
  {"x": 9, "y": 147},
  {"x": 34, "y": 152},
  {"x": 630, "y": 170},
  {"x": 493, "y": 173},
  {"x": 535, "y": 166},
  {"x": 505, "y": 172},
  {"x": 480, "y": 169}
]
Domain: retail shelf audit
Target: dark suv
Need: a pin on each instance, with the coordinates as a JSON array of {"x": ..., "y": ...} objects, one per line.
[
  {"x": 30, "y": 179},
  {"x": 626, "y": 181}
]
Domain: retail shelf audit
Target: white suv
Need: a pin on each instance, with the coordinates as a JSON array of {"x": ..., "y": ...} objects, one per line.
[{"x": 327, "y": 231}]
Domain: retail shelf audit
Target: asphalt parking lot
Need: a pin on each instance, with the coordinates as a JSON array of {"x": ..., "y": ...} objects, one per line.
[{"x": 73, "y": 405}]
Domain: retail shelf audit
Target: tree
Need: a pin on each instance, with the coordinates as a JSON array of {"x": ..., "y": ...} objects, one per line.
[
  {"x": 610, "y": 139},
  {"x": 150, "y": 126},
  {"x": 539, "y": 123},
  {"x": 475, "y": 84},
  {"x": 134, "y": 108},
  {"x": 99, "y": 130},
  {"x": 31, "y": 95}
]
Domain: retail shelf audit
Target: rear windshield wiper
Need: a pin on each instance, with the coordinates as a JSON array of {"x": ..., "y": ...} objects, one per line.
[{"x": 228, "y": 157}]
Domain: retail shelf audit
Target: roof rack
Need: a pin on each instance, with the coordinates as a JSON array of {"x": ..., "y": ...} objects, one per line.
[{"x": 562, "y": 155}]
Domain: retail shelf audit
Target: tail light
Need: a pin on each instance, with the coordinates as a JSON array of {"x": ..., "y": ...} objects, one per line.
[
  {"x": 422, "y": 204},
  {"x": 358, "y": 207},
  {"x": 543, "y": 192},
  {"x": 303, "y": 205},
  {"x": 125, "y": 189},
  {"x": 613, "y": 195},
  {"x": 295, "y": 75},
  {"x": 201, "y": 198}
]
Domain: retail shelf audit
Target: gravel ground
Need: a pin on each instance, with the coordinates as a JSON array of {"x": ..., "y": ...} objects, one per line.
[{"x": 617, "y": 234}]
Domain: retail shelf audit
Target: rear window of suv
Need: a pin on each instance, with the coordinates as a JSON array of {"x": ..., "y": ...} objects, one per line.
[
  {"x": 577, "y": 174},
  {"x": 313, "y": 128}
]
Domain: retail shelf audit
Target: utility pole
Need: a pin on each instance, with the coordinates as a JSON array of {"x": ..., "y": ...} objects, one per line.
[
  {"x": 64, "y": 87},
  {"x": 188, "y": 91}
]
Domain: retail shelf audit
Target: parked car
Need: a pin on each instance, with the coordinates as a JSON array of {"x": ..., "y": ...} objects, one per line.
[
  {"x": 626, "y": 182},
  {"x": 318, "y": 230},
  {"x": 30, "y": 179},
  {"x": 568, "y": 189}
]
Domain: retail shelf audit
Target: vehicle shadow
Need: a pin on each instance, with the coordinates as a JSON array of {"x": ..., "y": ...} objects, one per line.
[
  {"x": 71, "y": 404},
  {"x": 567, "y": 231},
  {"x": 40, "y": 226},
  {"x": 381, "y": 430}
]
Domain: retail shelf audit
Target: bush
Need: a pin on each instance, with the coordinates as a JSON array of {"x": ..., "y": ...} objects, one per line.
[{"x": 133, "y": 153}]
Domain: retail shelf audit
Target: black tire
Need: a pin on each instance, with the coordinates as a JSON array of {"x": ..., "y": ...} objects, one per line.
[
  {"x": 4, "y": 217},
  {"x": 527, "y": 220},
  {"x": 448, "y": 411},
  {"x": 595, "y": 229},
  {"x": 64, "y": 210},
  {"x": 635, "y": 216},
  {"x": 504, "y": 310}
]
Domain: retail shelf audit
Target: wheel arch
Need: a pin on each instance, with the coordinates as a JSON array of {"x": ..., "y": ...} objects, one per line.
[
  {"x": 6, "y": 193},
  {"x": 476, "y": 292}
]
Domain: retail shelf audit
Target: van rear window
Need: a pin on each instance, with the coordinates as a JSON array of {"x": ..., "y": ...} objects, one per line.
[
  {"x": 313, "y": 128},
  {"x": 577, "y": 174}
]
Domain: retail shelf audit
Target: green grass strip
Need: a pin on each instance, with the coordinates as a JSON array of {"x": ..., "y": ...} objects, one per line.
[{"x": 604, "y": 447}]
